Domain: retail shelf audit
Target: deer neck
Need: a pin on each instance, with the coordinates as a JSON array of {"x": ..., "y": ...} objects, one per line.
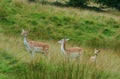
[
  {"x": 63, "y": 49},
  {"x": 95, "y": 55},
  {"x": 26, "y": 43}
]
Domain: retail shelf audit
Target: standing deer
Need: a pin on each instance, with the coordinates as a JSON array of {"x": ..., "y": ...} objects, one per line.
[
  {"x": 74, "y": 52},
  {"x": 34, "y": 46},
  {"x": 94, "y": 57}
]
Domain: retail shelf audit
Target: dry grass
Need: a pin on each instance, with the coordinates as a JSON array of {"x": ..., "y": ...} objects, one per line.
[
  {"x": 70, "y": 10},
  {"x": 107, "y": 59}
]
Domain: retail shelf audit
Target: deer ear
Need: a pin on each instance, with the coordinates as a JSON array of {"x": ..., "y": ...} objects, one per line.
[
  {"x": 67, "y": 39},
  {"x": 99, "y": 50},
  {"x": 95, "y": 49},
  {"x": 23, "y": 30}
]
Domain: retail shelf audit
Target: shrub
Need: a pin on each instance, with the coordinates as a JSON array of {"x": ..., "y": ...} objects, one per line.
[
  {"x": 76, "y": 3},
  {"x": 3, "y": 14},
  {"x": 42, "y": 1},
  {"x": 111, "y": 3}
]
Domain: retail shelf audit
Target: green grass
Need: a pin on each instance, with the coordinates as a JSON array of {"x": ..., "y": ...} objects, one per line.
[
  {"x": 49, "y": 69},
  {"x": 16, "y": 62},
  {"x": 7, "y": 64},
  {"x": 49, "y": 23}
]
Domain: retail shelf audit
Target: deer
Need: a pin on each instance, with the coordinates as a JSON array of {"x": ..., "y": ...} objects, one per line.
[
  {"x": 34, "y": 46},
  {"x": 74, "y": 52},
  {"x": 94, "y": 57}
]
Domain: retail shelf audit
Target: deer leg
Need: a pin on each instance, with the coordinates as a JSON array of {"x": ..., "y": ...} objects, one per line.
[
  {"x": 46, "y": 53},
  {"x": 33, "y": 53},
  {"x": 78, "y": 59}
]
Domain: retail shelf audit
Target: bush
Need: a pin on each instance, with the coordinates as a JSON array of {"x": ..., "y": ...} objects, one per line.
[
  {"x": 3, "y": 14},
  {"x": 42, "y": 1},
  {"x": 78, "y": 3},
  {"x": 110, "y": 3}
]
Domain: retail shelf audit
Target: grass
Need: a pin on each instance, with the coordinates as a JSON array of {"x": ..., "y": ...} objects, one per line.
[
  {"x": 7, "y": 64},
  {"x": 107, "y": 63},
  {"x": 48, "y": 23}
]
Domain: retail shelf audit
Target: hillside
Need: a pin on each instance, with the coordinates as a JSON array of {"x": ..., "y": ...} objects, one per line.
[
  {"x": 86, "y": 27},
  {"x": 49, "y": 23}
]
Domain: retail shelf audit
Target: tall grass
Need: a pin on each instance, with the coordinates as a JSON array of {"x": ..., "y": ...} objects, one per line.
[
  {"x": 64, "y": 70},
  {"x": 48, "y": 23},
  {"x": 53, "y": 23},
  {"x": 107, "y": 66},
  {"x": 7, "y": 64}
]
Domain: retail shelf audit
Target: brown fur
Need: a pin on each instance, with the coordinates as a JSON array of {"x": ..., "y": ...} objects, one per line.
[
  {"x": 39, "y": 44},
  {"x": 72, "y": 50},
  {"x": 75, "y": 49},
  {"x": 32, "y": 44}
]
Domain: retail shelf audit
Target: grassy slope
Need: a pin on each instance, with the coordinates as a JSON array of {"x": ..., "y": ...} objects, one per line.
[
  {"x": 108, "y": 66},
  {"x": 82, "y": 26},
  {"x": 88, "y": 28}
]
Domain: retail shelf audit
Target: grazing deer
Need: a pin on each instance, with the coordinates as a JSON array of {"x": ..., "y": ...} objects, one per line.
[
  {"x": 94, "y": 57},
  {"x": 74, "y": 52},
  {"x": 34, "y": 46}
]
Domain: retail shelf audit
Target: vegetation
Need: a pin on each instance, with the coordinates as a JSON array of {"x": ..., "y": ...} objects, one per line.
[
  {"x": 15, "y": 63},
  {"x": 86, "y": 29},
  {"x": 49, "y": 23},
  {"x": 108, "y": 3},
  {"x": 111, "y": 3},
  {"x": 77, "y": 2}
]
